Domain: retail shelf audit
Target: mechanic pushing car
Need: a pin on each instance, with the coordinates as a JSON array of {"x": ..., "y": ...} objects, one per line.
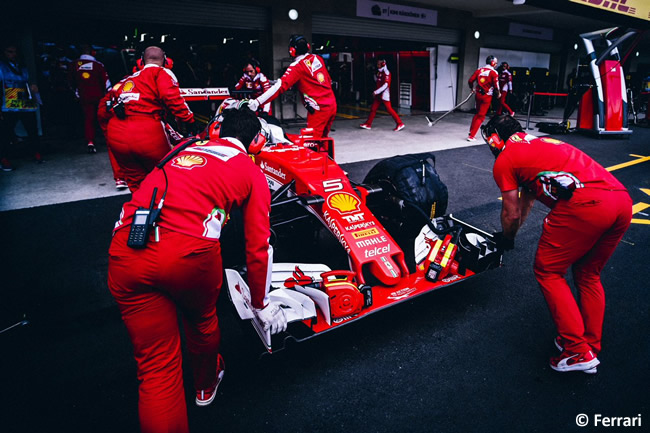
[
  {"x": 309, "y": 73},
  {"x": 166, "y": 254},
  {"x": 134, "y": 129},
  {"x": 590, "y": 212},
  {"x": 487, "y": 81}
]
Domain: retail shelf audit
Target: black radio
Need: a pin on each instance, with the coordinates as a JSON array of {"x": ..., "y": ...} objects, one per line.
[{"x": 143, "y": 220}]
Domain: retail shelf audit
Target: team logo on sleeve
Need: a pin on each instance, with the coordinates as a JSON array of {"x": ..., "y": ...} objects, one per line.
[
  {"x": 320, "y": 77},
  {"x": 189, "y": 162}
]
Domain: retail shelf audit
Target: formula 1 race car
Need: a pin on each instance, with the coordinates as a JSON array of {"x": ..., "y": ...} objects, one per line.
[{"x": 344, "y": 250}]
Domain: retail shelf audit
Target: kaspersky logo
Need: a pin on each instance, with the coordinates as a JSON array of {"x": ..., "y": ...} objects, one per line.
[{"x": 343, "y": 202}]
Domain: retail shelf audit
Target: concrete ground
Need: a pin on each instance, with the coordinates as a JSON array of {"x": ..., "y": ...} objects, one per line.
[{"x": 70, "y": 174}]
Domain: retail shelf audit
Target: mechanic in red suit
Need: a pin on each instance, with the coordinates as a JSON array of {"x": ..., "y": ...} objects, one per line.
[
  {"x": 181, "y": 267},
  {"x": 382, "y": 94},
  {"x": 487, "y": 81},
  {"x": 255, "y": 81},
  {"x": 136, "y": 132},
  {"x": 590, "y": 212},
  {"x": 91, "y": 83},
  {"x": 505, "y": 85},
  {"x": 309, "y": 73}
]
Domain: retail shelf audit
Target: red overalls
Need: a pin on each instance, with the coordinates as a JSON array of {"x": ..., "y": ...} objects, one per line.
[
  {"x": 139, "y": 140},
  {"x": 382, "y": 94},
  {"x": 183, "y": 270},
  {"x": 91, "y": 83},
  {"x": 487, "y": 79},
  {"x": 258, "y": 85},
  {"x": 309, "y": 73},
  {"x": 581, "y": 232},
  {"x": 505, "y": 84}
]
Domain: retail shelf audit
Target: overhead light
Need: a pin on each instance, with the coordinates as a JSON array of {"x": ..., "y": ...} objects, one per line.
[
  {"x": 293, "y": 14},
  {"x": 518, "y": 2},
  {"x": 142, "y": 37},
  {"x": 162, "y": 38},
  {"x": 477, "y": 34},
  {"x": 575, "y": 46},
  {"x": 637, "y": 54}
]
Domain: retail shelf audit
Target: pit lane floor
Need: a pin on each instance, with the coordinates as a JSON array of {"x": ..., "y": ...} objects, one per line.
[{"x": 469, "y": 358}]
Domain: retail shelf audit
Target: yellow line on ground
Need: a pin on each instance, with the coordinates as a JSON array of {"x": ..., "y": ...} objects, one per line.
[
  {"x": 640, "y": 221},
  {"x": 639, "y": 207},
  {"x": 639, "y": 160},
  {"x": 645, "y": 190},
  {"x": 636, "y": 156},
  {"x": 347, "y": 116}
]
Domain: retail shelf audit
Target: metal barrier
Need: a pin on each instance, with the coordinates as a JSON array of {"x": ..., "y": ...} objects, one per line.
[{"x": 532, "y": 99}]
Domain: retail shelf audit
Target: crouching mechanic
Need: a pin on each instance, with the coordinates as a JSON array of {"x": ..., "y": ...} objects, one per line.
[
  {"x": 590, "y": 212},
  {"x": 309, "y": 73},
  {"x": 180, "y": 267}
]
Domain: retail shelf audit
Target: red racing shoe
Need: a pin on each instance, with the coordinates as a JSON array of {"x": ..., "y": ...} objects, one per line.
[
  {"x": 568, "y": 361},
  {"x": 205, "y": 396},
  {"x": 560, "y": 343},
  {"x": 365, "y": 126}
]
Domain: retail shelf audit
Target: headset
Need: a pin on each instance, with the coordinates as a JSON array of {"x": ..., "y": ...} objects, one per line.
[
  {"x": 491, "y": 60},
  {"x": 167, "y": 62},
  {"x": 293, "y": 44},
  {"x": 381, "y": 62},
  {"x": 255, "y": 66},
  {"x": 498, "y": 126}
]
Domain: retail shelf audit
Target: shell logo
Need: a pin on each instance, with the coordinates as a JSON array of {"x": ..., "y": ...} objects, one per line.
[
  {"x": 128, "y": 86},
  {"x": 189, "y": 161},
  {"x": 85, "y": 75},
  {"x": 343, "y": 202},
  {"x": 482, "y": 80},
  {"x": 320, "y": 77}
]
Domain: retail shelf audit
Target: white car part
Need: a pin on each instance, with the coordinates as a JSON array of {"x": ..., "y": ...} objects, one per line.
[
  {"x": 298, "y": 303},
  {"x": 296, "y": 306},
  {"x": 288, "y": 272},
  {"x": 240, "y": 296},
  {"x": 283, "y": 272},
  {"x": 421, "y": 245}
]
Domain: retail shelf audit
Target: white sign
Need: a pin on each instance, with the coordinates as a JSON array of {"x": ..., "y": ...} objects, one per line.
[{"x": 392, "y": 12}]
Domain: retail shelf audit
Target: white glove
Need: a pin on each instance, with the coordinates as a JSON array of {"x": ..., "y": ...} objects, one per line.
[
  {"x": 253, "y": 104},
  {"x": 272, "y": 317}
]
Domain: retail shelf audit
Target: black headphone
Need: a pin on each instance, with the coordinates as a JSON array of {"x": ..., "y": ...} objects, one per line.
[
  {"x": 490, "y": 59},
  {"x": 167, "y": 63},
  {"x": 293, "y": 44}
]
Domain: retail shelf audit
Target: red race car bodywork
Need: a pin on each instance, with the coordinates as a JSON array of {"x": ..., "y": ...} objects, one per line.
[{"x": 304, "y": 177}]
